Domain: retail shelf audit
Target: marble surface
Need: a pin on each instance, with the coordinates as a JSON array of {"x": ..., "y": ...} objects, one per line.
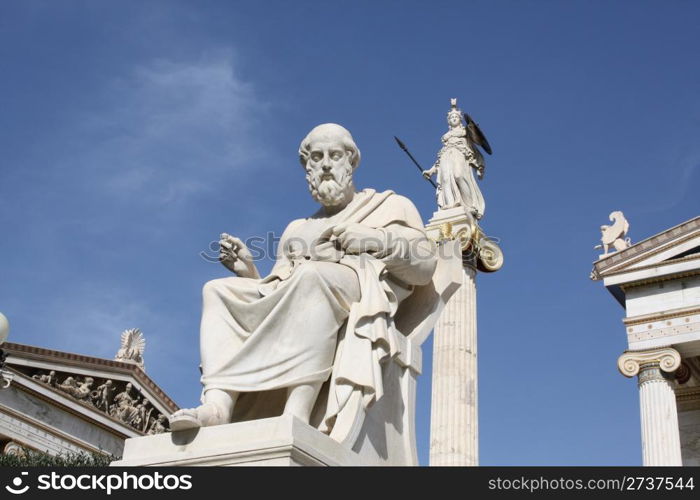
[
  {"x": 351, "y": 266},
  {"x": 49, "y": 427},
  {"x": 277, "y": 441}
]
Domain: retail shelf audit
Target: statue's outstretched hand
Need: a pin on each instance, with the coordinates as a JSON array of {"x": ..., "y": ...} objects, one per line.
[{"x": 234, "y": 254}]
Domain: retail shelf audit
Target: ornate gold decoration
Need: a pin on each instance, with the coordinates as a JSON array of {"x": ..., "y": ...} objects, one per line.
[
  {"x": 476, "y": 247},
  {"x": 445, "y": 232}
]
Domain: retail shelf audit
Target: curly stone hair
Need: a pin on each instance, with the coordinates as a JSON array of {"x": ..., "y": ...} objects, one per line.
[{"x": 330, "y": 131}]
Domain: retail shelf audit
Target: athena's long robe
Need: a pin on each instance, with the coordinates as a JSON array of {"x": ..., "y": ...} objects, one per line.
[
  {"x": 283, "y": 330},
  {"x": 455, "y": 177}
]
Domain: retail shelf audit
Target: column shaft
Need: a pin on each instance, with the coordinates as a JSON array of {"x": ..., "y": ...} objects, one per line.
[
  {"x": 454, "y": 413},
  {"x": 661, "y": 443}
]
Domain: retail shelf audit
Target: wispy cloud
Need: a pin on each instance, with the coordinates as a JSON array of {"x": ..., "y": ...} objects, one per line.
[
  {"x": 90, "y": 319},
  {"x": 680, "y": 186},
  {"x": 168, "y": 130}
]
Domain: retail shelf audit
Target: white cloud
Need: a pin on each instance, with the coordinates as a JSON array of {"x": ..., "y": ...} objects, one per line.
[
  {"x": 679, "y": 181},
  {"x": 89, "y": 320},
  {"x": 170, "y": 129}
]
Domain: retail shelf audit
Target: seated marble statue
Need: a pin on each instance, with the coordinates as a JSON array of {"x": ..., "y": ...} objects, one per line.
[{"x": 320, "y": 326}]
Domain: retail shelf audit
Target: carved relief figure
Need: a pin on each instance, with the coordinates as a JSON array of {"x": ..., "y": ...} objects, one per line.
[
  {"x": 136, "y": 417},
  {"x": 49, "y": 378},
  {"x": 158, "y": 425},
  {"x": 68, "y": 385},
  {"x": 123, "y": 407},
  {"x": 76, "y": 388},
  {"x": 83, "y": 389},
  {"x": 144, "y": 415},
  {"x": 103, "y": 396}
]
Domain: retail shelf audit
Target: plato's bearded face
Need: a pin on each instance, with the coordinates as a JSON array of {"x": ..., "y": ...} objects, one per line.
[{"x": 329, "y": 172}]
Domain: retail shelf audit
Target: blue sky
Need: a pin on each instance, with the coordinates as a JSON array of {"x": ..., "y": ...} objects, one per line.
[{"x": 135, "y": 132}]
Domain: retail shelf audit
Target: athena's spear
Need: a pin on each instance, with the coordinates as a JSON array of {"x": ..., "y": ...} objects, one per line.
[{"x": 403, "y": 146}]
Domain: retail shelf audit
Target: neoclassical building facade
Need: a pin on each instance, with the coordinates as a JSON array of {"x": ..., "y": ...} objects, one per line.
[
  {"x": 657, "y": 282},
  {"x": 54, "y": 401}
]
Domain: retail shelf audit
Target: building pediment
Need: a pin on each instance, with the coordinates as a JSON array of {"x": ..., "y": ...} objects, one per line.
[
  {"x": 670, "y": 254},
  {"x": 116, "y": 396},
  {"x": 674, "y": 246}
]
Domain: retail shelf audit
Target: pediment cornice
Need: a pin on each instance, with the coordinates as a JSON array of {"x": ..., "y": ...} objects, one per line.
[{"x": 656, "y": 251}]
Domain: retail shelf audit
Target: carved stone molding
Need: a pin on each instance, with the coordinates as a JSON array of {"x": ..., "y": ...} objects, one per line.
[
  {"x": 665, "y": 358},
  {"x": 67, "y": 359},
  {"x": 643, "y": 249}
]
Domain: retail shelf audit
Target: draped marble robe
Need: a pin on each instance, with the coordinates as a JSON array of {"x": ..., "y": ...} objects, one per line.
[
  {"x": 455, "y": 177},
  {"x": 262, "y": 336}
]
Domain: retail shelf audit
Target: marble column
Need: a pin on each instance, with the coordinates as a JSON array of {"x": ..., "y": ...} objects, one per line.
[
  {"x": 659, "y": 416},
  {"x": 454, "y": 414}
]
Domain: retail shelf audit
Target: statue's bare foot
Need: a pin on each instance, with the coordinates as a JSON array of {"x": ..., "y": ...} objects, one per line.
[{"x": 191, "y": 418}]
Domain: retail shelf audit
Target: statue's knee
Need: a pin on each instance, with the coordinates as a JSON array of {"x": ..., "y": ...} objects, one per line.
[
  {"x": 309, "y": 270},
  {"x": 314, "y": 273}
]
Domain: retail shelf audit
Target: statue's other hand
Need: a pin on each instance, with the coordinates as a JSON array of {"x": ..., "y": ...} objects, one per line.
[
  {"x": 234, "y": 254},
  {"x": 427, "y": 174},
  {"x": 358, "y": 238},
  {"x": 327, "y": 251}
]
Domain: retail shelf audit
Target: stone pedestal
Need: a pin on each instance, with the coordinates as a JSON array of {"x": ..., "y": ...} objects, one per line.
[
  {"x": 661, "y": 443},
  {"x": 279, "y": 441}
]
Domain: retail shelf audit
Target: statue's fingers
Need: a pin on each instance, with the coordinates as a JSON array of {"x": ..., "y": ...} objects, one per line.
[
  {"x": 339, "y": 229},
  {"x": 352, "y": 245},
  {"x": 343, "y": 239},
  {"x": 225, "y": 244},
  {"x": 236, "y": 241},
  {"x": 228, "y": 256},
  {"x": 326, "y": 234},
  {"x": 322, "y": 247}
]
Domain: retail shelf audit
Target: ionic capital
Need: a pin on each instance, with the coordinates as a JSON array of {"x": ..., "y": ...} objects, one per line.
[
  {"x": 665, "y": 358},
  {"x": 5, "y": 379}
]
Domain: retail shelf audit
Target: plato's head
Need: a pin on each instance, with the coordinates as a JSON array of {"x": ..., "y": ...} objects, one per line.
[{"x": 329, "y": 156}]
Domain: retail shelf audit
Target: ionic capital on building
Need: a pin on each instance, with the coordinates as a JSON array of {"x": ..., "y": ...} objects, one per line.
[
  {"x": 6, "y": 379},
  {"x": 631, "y": 363}
]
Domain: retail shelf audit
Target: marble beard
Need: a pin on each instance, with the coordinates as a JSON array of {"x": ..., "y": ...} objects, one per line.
[{"x": 312, "y": 335}]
